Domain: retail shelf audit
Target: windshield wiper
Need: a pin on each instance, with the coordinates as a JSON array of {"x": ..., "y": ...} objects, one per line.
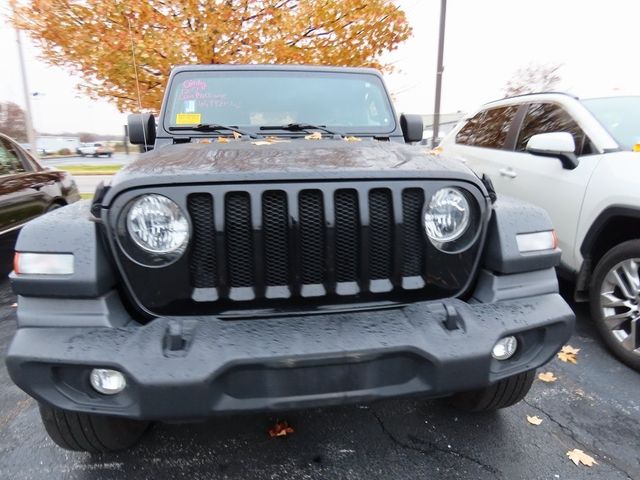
[
  {"x": 300, "y": 127},
  {"x": 215, "y": 127}
]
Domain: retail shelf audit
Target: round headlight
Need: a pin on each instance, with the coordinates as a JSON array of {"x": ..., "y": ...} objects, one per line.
[
  {"x": 157, "y": 225},
  {"x": 447, "y": 216}
]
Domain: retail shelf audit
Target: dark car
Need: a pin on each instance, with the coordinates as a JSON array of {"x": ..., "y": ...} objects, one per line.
[
  {"x": 280, "y": 247},
  {"x": 27, "y": 190}
]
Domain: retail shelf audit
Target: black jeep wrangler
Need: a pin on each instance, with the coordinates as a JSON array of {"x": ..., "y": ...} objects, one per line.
[{"x": 280, "y": 247}]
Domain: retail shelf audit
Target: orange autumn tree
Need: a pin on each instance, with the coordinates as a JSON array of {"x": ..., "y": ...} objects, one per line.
[{"x": 95, "y": 39}]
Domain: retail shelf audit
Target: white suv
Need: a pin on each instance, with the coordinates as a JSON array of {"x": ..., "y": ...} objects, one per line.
[{"x": 580, "y": 160}]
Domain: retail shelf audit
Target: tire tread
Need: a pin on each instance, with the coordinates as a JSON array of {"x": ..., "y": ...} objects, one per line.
[
  {"x": 90, "y": 433},
  {"x": 502, "y": 394}
]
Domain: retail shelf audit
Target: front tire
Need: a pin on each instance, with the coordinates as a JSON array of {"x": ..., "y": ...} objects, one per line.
[
  {"x": 615, "y": 301},
  {"x": 502, "y": 394},
  {"x": 90, "y": 433}
]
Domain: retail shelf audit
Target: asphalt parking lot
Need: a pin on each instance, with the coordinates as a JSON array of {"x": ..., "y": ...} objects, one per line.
[{"x": 593, "y": 406}]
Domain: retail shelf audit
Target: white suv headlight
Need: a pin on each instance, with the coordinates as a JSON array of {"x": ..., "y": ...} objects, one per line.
[
  {"x": 157, "y": 225},
  {"x": 447, "y": 217}
]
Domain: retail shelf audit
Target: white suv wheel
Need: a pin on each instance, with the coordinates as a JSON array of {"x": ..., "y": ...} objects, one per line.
[{"x": 615, "y": 301}]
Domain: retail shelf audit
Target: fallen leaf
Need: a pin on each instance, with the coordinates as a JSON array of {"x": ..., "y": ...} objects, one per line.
[
  {"x": 262, "y": 142},
  {"x": 567, "y": 357},
  {"x": 271, "y": 139},
  {"x": 568, "y": 354},
  {"x": 223, "y": 140},
  {"x": 281, "y": 429},
  {"x": 534, "y": 420},
  {"x": 547, "y": 377},
  {"x": 578, "y": 457},
  {"x": 237, "y": 135},
  {"x": 314, "y": 136},
  {"x": 15, "y": 305},
  {"x": 570, "y": 349},
  {"x": 352, "y": 139}
]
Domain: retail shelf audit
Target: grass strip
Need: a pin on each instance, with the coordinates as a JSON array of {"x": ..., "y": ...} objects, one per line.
[{"x": 83, "y": 169}]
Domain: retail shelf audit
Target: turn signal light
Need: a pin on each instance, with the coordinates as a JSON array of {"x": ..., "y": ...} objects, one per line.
[
  {"x": 537, "y": 241},
  {"x": 43, "y": 263}
]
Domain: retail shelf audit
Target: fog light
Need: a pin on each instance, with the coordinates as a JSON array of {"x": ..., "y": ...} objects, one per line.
[
  {"x": 108, "y": 382},
  {"x": 504, "y": 348}
]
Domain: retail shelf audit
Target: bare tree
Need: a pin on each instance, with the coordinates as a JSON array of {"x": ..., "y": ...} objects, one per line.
[
  {"x": 13, "y": 121},
  {"x": 533, "y": 78}
]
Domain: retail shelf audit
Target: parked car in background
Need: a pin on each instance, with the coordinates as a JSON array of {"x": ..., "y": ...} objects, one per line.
[
  {"x": 579, "y": 159},
  {"x": 95, "y": 149},
  {"x": 27, "y": 190}
]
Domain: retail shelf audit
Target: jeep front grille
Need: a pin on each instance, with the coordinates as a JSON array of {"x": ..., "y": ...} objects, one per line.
[
  {"x": 323, "y": 243},
  {"x": 309, "y": 242}
]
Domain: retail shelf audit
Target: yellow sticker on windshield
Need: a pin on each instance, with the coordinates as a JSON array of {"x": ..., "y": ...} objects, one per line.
[{"x": 188, "y": 118}]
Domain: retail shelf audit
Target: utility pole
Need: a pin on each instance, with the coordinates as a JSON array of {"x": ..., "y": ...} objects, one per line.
[
  {"x": 27, "y": 100},
  {"x": 439, "y": 70}
]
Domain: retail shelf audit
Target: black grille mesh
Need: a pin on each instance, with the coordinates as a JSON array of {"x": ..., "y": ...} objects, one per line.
[
  {"x": 380, "y": 233},
  {"x": 312, "y": 236},
  {"x": 239, "y": 239},
  {"x": 412, "y": 232},
  {"x": 203, "y": 254},
  {"x": 275, "y": 224},
  {"x": 295, "y": 246},
  {"x": 347, "y": 235}
]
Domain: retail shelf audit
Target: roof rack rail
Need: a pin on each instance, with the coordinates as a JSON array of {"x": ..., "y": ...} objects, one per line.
[{"x": 533, "y": 93}]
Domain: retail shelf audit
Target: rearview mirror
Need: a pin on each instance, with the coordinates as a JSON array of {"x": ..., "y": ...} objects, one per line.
[
  {"x": 141, "y": 128},
  {"x": 412, "y": 127},
  {"x": 555, "y": 144}
]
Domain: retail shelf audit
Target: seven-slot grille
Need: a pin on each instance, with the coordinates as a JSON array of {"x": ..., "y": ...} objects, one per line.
[{"x": 307, "y": 242}]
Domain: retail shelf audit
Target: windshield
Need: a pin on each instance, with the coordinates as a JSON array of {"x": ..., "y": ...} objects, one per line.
[
  {"x": 620, "y": 116},
  {"x": 343, "y": 102}
]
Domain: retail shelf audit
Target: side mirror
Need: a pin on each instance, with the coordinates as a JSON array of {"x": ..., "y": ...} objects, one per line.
[
  {"x": 412, "y": 127},
  {"x": 555, "y": 144},
  {"x": 141, "y": 128}
]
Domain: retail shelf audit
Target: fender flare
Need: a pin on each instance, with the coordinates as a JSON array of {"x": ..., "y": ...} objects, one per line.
[
  {"x": 599, "y": 223},
  {"x": 70, "y": 229}
]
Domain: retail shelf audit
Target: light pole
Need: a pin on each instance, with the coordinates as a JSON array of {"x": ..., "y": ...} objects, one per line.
[
  {"x": 27, "y": 101},
  {"x": 439, "y": 70}
]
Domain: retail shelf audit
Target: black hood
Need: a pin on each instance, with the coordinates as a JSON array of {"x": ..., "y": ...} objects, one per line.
[{"x": 295, "y": 159}]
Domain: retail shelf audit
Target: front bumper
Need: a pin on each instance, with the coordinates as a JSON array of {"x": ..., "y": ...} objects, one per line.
[{"x": 180, "y": 368}]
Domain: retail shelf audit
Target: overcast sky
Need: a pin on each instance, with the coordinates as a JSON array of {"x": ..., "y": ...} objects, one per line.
[{"x": 486, "y": 41}]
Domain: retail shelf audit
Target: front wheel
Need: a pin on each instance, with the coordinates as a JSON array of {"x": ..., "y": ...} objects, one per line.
[
  {"x": 615, "y": 301},
  {"x": 502, "y": 394},
  {"x": 90, "y": 433}
]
